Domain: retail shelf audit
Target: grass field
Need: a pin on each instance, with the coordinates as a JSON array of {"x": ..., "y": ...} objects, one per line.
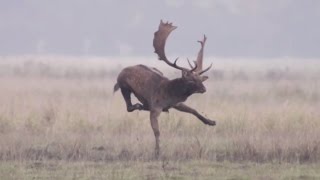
[
  {"x": 158, "y": 170},
  {"x": 59, "y": 118}
]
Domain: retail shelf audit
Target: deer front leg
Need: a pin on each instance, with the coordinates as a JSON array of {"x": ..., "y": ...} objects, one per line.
[
  {"x": 184, "y": 108},
  {"x": 154, "y": 114}
]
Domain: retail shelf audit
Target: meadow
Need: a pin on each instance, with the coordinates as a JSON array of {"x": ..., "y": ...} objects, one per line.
[{"x": 60, "y": 119}]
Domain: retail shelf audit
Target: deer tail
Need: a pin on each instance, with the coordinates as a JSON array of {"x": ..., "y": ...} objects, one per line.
[{"x": 116, "y": 87}]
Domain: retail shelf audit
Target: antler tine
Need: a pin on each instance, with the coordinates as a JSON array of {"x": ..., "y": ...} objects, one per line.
[
  {"x": 203, "y": 41},
  {"x": 200, "y": 54},
  {"x": 175, "y": 61},
  {"x": 159, "y": 42},
  {"x": 191, "y": 66},
  {"x": 195, "y": 67},
  {"x": 207, "y": 69}
]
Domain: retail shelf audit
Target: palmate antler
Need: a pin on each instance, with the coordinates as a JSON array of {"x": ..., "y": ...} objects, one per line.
[
  {"x": 199, "y": 61},
  {"x": 159, "y": 42}
]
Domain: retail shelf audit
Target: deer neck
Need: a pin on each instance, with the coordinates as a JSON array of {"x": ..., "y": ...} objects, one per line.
[{"x": 178, "y": 89}]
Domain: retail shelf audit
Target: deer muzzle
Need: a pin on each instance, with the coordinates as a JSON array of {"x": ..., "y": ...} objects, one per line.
[{"x": 202, "y": 90}]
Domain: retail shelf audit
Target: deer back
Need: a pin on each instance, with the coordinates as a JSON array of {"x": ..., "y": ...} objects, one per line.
[{"x": 143, "y": 81}]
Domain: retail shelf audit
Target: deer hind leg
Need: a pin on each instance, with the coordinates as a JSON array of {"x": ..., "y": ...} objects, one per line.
[
  {"x": 154, "y": 114},
  {"x": 184, "y": 108},
  {"x": 126, "y": 93}
]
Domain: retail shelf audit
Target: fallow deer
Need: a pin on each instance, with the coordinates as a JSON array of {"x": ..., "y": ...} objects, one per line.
[{"x": 156, "y": 92}]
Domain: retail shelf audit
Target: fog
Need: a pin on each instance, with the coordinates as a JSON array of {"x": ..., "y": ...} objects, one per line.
[{"x": 235, "y": 28}]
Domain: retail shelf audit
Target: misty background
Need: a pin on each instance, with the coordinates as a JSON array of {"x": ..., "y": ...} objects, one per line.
[{"x": 235, "y": 28}]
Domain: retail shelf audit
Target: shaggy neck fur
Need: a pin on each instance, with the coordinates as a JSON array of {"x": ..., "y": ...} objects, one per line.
[{"x": 179, "y": 88}]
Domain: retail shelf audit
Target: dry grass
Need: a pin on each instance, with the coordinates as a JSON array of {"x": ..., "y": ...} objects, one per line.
[{"x": 55, "y": 108}]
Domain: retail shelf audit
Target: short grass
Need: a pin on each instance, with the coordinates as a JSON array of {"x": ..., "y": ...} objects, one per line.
[{"x": 158, "y": 170}]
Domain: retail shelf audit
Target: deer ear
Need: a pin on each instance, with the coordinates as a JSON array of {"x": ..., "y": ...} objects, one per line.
[{"x": 203, "y": 78}]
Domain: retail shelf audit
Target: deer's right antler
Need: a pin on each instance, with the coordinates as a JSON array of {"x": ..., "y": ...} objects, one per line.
[
  {"x": 159, "y": 42},
  {"x": 199, "y": 61}
]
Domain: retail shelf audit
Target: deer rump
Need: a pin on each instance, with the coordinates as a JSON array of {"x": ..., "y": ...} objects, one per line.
[{"x": 140, "y": 80}]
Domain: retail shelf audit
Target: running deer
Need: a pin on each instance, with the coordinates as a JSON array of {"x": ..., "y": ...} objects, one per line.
[{"x": 158, "y": 93}]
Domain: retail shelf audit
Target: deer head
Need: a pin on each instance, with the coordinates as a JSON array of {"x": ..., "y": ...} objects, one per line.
[{"x": 192, "y": 77}]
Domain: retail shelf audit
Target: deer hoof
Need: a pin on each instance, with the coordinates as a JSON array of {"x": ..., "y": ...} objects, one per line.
[
  {"x": 138, "y": 106},
  {"x": 135, "y": 107},
  {"x": 211, "y": 123}
]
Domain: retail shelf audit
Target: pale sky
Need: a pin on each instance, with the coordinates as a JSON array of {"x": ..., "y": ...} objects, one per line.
[{"x": 235, "y": 28}]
